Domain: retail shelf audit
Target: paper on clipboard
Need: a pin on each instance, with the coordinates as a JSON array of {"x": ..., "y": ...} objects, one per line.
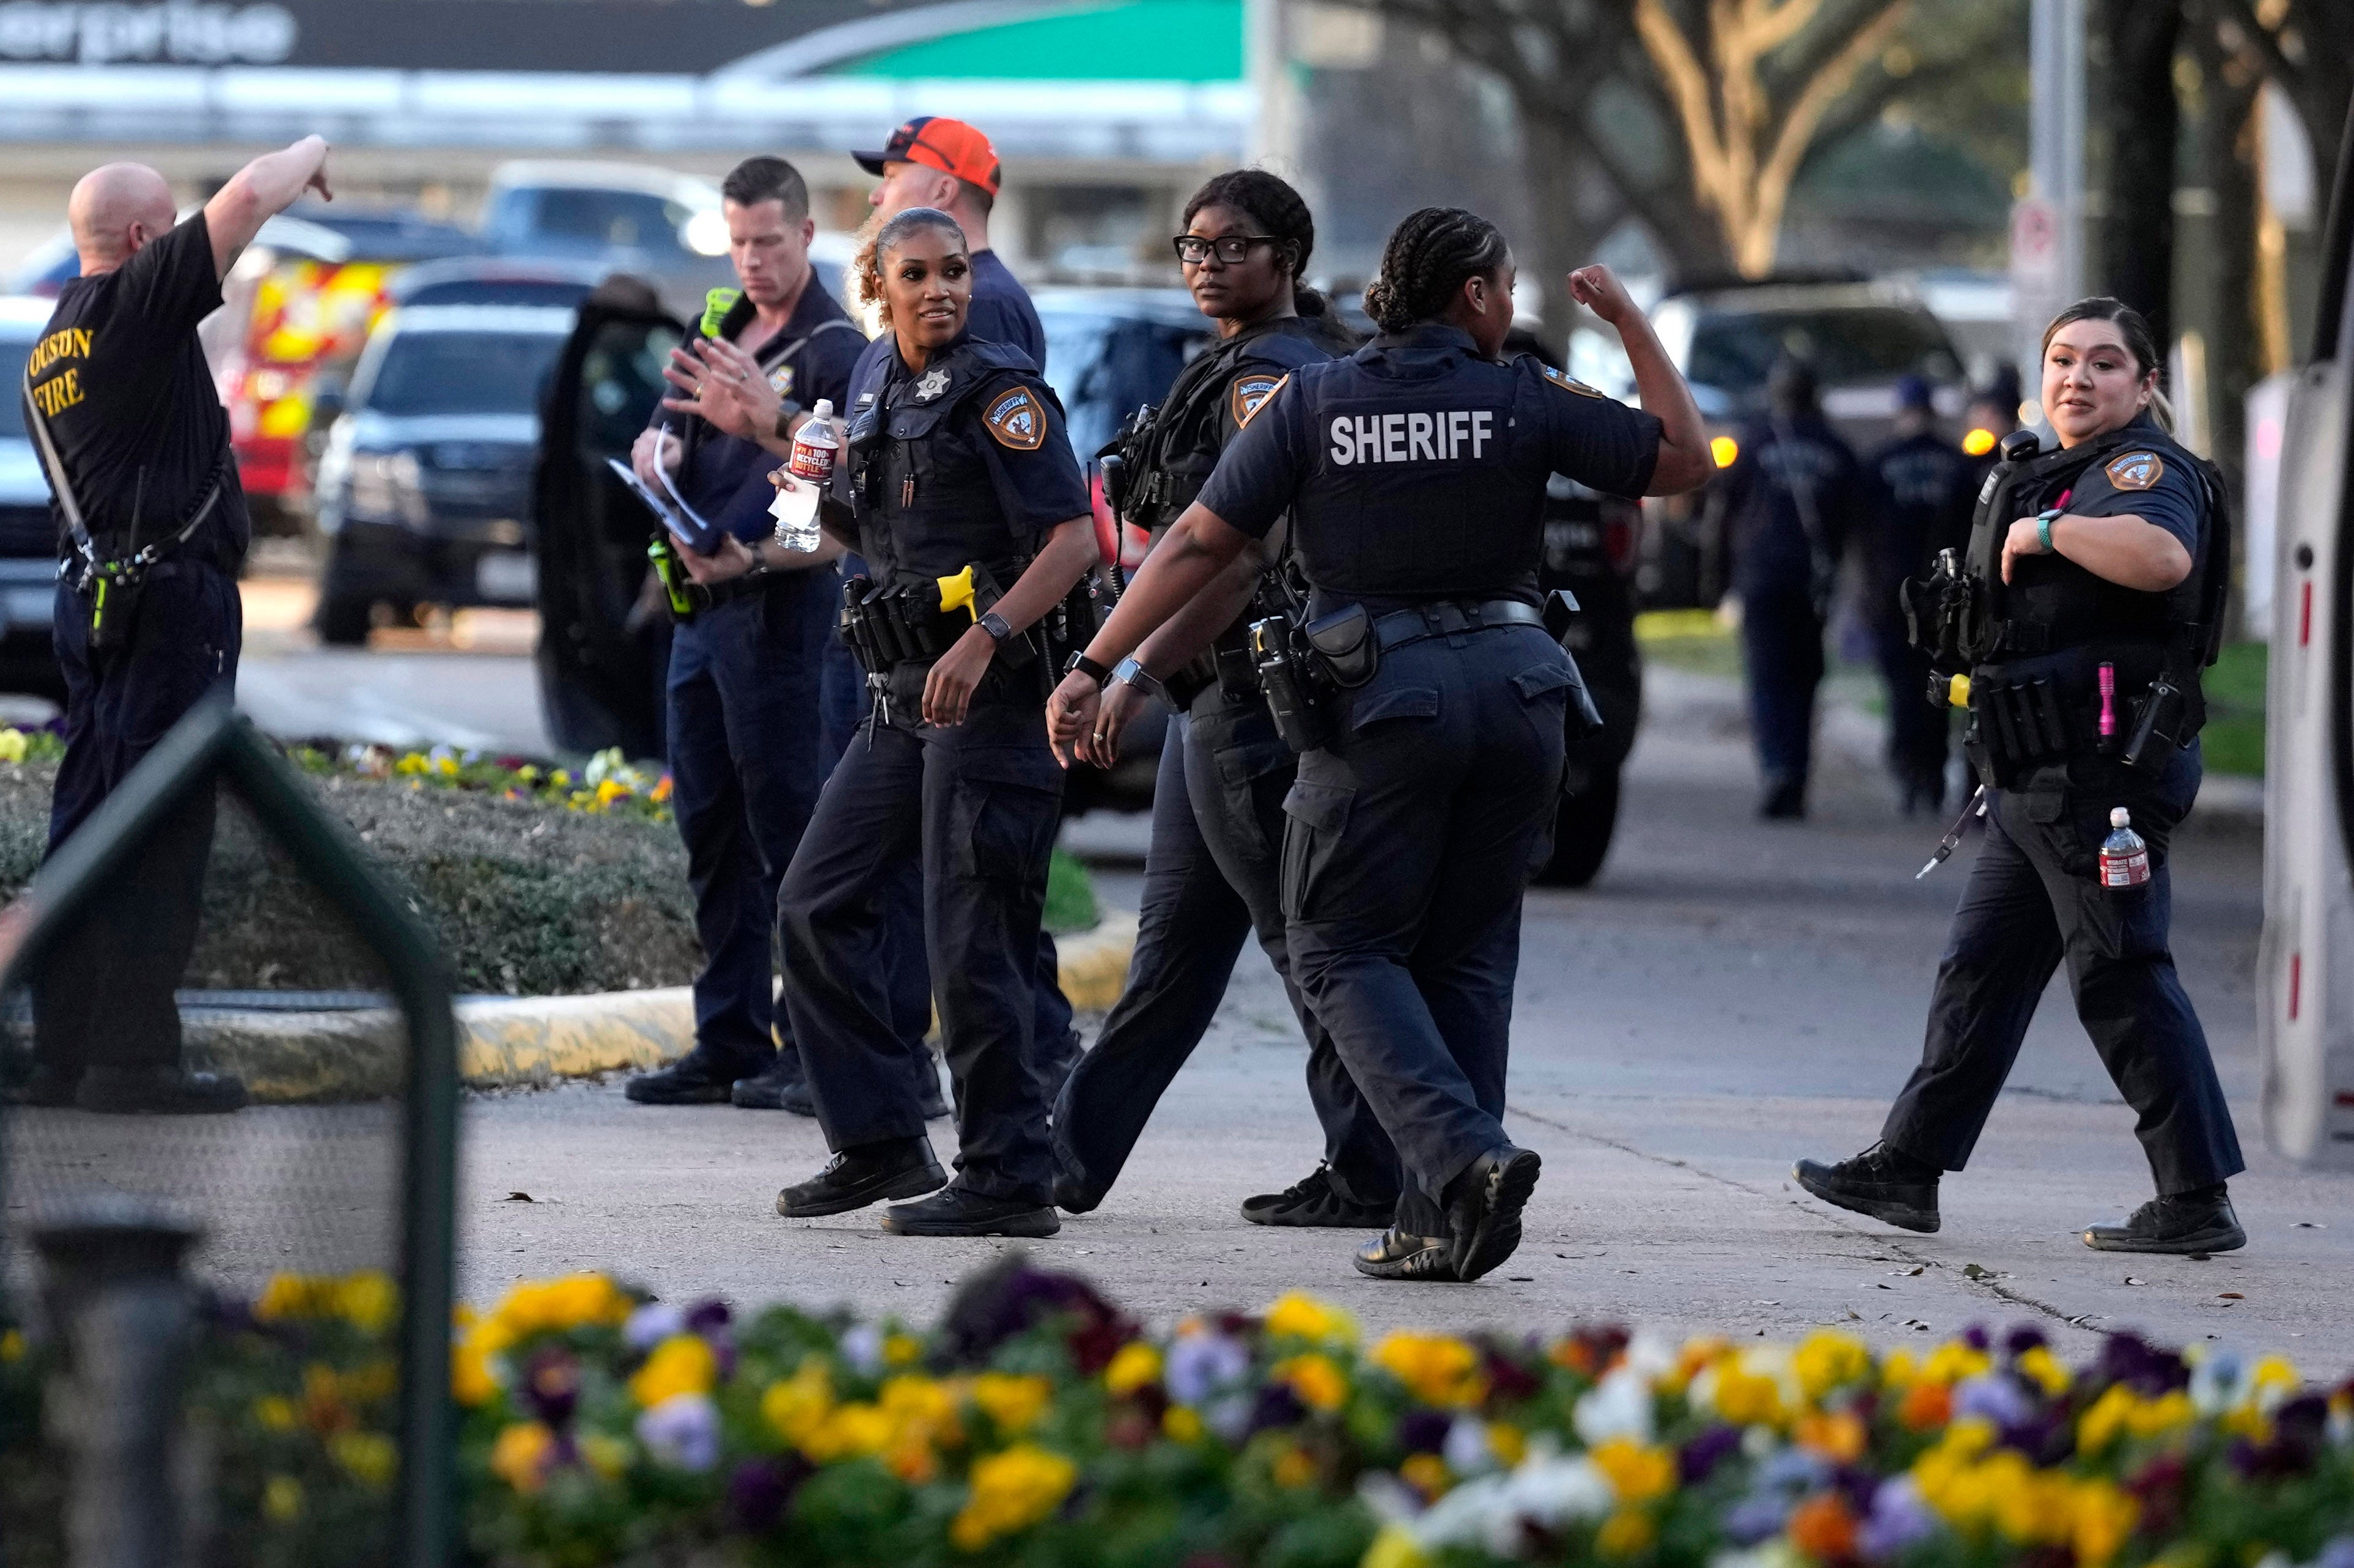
[{"x": 682, "y": 520}]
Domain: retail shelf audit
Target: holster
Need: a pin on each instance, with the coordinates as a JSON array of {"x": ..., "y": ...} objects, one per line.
[
  {"x": 1298, "y": 696},
  {"x": 1344, "y": 641},
  {"x": 115, "y": 589}
]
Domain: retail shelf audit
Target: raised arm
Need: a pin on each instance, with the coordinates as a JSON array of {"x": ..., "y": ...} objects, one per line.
[
  {"x": 260, "y": 192},
  {"x": 1684, "y": 461}
]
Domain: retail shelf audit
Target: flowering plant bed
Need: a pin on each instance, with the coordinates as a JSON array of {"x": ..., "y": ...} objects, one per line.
[{"x": 1036, "y": 1424}]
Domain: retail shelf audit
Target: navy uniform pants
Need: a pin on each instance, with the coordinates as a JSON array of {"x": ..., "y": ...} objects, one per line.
[
  {"x": 105, "y": 996},
  {"x": 976, "y": 806},
  {"x": 1782, "y": 647},
  {"x": 846, "y": 703},
  {"x": 1411, "y": 840},
  {"x": 747, "y": 763},
  {"x": 2034, "y": 901},
  {"x": 1917, "y": 731},
  {"x": 1213, "y": 876}
]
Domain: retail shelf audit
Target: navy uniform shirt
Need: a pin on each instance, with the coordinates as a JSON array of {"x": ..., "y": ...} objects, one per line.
[
  {"x": 2151, "y": 479},
  {"x": 1791, "y": 497},
  {"x": 966, "y": 459},
  {"x": 1922, "y": 489},
  {"x": 1415, "y": 470},
  {"x": 724, "y": 477},
  {"x": 1000, "y": 312},
  {"x": 121, "y": 379}
]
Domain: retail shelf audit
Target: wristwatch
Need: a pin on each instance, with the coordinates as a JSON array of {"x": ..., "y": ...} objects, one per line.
[
  {"x": 2043, "y": 528},
  {"x": 786, "y": 412},
  {"x": 994, "y": 625},
  {"x": 1080, "y": 663},
  {"x": 1135, "y": 674}
]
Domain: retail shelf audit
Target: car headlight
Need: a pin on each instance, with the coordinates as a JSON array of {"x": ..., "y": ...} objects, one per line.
[{"x": 387, "y": 487}]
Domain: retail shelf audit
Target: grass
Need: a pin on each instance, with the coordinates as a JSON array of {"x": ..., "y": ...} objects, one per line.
[
  {"x": 1070, "y": 895},
  {"x": 1693, "y": 639}
]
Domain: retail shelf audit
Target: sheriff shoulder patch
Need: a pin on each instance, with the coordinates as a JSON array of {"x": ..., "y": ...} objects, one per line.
[
  {"x": 1568, "y": 384},
  {"x": 2137, "y": 471},
  {"x": 1250, "y": 392},
  {"x": 782, "y": 378},
  {"x": 1015, "y": 419}
]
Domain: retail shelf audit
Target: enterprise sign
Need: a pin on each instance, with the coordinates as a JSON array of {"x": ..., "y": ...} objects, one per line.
[{"x": 179, "y": 32}]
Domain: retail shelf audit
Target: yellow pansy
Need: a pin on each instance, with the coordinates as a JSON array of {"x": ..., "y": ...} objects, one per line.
[
  {"x": 1508, "y": 1442},
  {"x": 1394, "y": 1547},
  {"x": 1014, "y": 1400},
  {"x": 607, "y": 1455},
  {"x": 520, "y": 1455},
  {"x": 2104, "y": 1522},
  {"x": 1436, "y": 1369},
  {"x": 1295, "y": 1467},
  {"x": 1180, "y": 1423},
  {"x": 274, "y": 1412},
  {"x": 681, "y": 1364},
  {"x": 2040, "y": 1365},
  {"x": 367, "y": 1300},
  {"x": 281, "y": 1499},
  {"x": 1955, "y": 1362},
  {"x": 470, "y": 1379},
  {"x": 1900, "y": 1370},
  {"x": 370, "y": 1459},
  {"x": 12, "y": 1347},
  {"x": 1301, "y": 1317},
  {"x": 1134, "y": 1366},
  {"x": 1826, "y": 1360},
  {"x": 901, "y": 1349},
  {"x": 1010, "y": 1492},
  {"x": 1628, "y": 1533},
  {"x": 12, "y": 744},
  {"x": 1428, "y": 1474},
  {"x": 1637, "y": 1471},
  {"x": 796, "y": 1406},
  {"x": 1320, "y": 1383},
  {"x": 850, "y": 1432}
]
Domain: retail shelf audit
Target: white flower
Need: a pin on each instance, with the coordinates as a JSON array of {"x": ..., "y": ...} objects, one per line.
[
  {"x": 1389, "y": 1499},
  {"x": 1619, "y": 1406},
  {"x": 1650, "y": 1357},
  {"x": 652, "y": 1323},
  {"x": 1479, "y": 1513},
  {"x": 682, "y": 1431},
  {"x": 861, "y": 1347},
  {"x": 2219, "y": 1383},
  {"x": 1775, "y": 1553},
  {"x": 1550, "y": 1491},
  {"x": 1466, "y": 1450}
]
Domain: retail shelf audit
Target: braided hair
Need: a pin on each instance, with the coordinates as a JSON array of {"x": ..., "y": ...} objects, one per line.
[
  {"x": 889, "y": 235},
  {"x": 1428, "y": 257},
  {"x": 1280, "y": 213}
]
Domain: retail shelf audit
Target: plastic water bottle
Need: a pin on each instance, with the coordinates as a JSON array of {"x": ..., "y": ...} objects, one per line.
[
  {"x": 2124, "y": 859},
  {"x": 806, "y": 474}
]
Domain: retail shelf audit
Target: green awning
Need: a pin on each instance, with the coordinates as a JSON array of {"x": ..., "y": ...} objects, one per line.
[{"x": 1139, "y": 40}]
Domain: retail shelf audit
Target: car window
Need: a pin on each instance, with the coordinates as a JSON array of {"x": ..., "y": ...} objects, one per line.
[
  {"x": 631, "y": 220},
  {"x": 500, "y": 291},
  {"x": 1845, "y": 346},
  {"x": 13, "y": 352},
  {"x": 1103, "y": 366},
  {"x": 462, "y": 373},
  {"x": 620, "y": 382}
]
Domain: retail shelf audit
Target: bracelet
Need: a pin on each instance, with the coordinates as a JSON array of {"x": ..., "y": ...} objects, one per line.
[
  {"x": 994, "y": 625},
  {"x": 1135, "y": 674},
  {"x": 2043, "y": 529},
  {"x": 1080, "y": 663}
]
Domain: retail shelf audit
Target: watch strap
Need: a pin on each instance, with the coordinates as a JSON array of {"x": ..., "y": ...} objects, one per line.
[
  {"x": 2043, "y": 529},
  {"x": 994, "y": 625},
  {"x": 1135, "y": 674},
  {"x": 1080, "y": 663}
]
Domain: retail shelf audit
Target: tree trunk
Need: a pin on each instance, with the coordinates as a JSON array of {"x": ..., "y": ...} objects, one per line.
[
  {"x": 1567, "y": 222},
  {"x": 2134, "y": 254}
]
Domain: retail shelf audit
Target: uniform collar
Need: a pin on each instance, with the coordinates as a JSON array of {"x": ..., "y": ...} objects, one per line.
[{"x": 1428, "y": 338}]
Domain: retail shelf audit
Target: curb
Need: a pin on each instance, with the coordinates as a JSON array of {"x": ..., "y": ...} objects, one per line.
[{"x": 292, "y": 1058}]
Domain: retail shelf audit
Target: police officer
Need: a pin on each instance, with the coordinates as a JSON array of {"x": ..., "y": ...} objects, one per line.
[
  {"x": 745, "y": 669},
  {"x": 957, "y": 476},
  {"x": 1413, "y": 474},
  {"x": 122, "y": 407},
  {"x": 1788, "y": 502},
  {"x": 1921, "y": 496},
  {"x": 2109, "y": 552},
  {"x": 1212, "y": 875}
]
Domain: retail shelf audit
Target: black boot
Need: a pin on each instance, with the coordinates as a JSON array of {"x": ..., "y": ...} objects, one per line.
[
  {"x": 1393, "y": 1254},
  {"x": 962, "y": 1212},
  {"x": 1785, "y": 801},
  {"x": 1484, "y": 1204},
  {"x": 1312, "y": 1201},
  {"x": 1073, "y": 1194},
  {"x": 158, "y": 1091},
  {"x": 2175, "y": 1223},
  {"x": 897, "y": 1168},
  {"x": 694, "y": 1079},
  {"x": 779, "y": 1086},
  {"x": 48, "y": 1086},
  {"x": 1886, "y": 1184}
]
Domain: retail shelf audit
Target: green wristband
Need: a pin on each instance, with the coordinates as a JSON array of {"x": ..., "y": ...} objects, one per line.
[{"x": 2043, "y": 529}]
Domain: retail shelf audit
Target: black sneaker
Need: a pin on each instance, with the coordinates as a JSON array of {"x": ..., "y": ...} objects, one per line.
[
  {"x": 1885, "y": 1183},
  {"x": 1783, "y": 802},
  {"x": 2184, "y": 1222},
  {"x": 47, "y": 1087},
  {"x": 962, "y": 1212},
  {"x": 691, "y": 1080},
  {"x": 1073, "y": 1195},
  {"x": 158, "y": 1091},
  {"x": 1311, "y": 1201},
  {"x": 779, "y": 1086},
  {"x": 1393, "y": 1254},
  {"x": 1485, "y": 1213},
  {"x": 903, "y": 1168}
]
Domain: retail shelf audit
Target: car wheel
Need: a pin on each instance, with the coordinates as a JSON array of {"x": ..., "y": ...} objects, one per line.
[
  {"x": 1582, "y": 829},
  {"x": 342, "y": 620}
]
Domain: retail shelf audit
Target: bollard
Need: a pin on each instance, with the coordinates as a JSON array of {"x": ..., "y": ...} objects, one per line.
[{"x": 122, "y": 1311}]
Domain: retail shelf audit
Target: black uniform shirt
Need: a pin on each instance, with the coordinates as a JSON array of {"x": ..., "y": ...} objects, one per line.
[
  {"x": 2150, "y": 477},
  {"x": 129, "y": 402},
  {"x": 726, "y": 478},
  {"x": 1925, "y": 485},
  {"x": 1415, "y": 470}
]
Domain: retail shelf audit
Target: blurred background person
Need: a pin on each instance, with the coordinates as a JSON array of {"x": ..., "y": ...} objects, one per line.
[
  {"x": 1788, "y": 503},
  {"x": 1920, "y": 495}
]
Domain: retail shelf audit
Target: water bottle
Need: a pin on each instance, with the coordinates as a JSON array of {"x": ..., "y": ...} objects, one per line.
[
  {"x": 2124, "y": 859},
  {"x": 805, "y": 477}
]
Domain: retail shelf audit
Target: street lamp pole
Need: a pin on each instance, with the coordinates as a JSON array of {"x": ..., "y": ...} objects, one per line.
[{"x": 2047, "y": 231}]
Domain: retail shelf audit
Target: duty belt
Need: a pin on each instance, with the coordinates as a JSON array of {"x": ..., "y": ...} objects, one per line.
[{"x": 1448, "y": 617}]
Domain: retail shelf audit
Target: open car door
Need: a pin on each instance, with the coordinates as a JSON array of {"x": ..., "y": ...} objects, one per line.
[
  {"x": 604, "y": 640},
  {"x": 2305, "y": 973}
]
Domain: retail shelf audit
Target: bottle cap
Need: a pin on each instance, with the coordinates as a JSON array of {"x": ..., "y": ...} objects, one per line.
[
  {"x": 824, "y": 409},
  {"x": 2119, "y": 816}
]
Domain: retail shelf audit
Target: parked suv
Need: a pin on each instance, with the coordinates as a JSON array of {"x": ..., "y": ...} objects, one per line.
[
  {"x": 424, "y": 484},
  {"x": 29, "y": 539}
]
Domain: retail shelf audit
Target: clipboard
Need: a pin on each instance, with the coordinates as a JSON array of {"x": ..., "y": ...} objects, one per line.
[{"x": 686, "y": 524}]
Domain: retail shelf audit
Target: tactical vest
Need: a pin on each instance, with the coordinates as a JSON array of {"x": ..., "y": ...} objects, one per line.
[
  {"x": 926, "y": 482},
  {"x": 1181, "y": 445}
]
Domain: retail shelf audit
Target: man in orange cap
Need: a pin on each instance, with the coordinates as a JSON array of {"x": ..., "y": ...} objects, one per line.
[{"x": 946, "y": 164}]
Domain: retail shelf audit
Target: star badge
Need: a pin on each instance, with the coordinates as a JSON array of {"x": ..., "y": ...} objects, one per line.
[{"x": 930, "y": 385}]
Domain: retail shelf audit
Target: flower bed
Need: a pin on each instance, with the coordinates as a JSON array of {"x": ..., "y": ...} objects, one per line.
[{"x": 1036, "y": 1424}]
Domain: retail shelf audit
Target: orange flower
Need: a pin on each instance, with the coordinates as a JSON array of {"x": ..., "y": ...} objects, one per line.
[
  {"x": 1823, "y": 1529},
  {"x": 1839, "y": 1437},
  {"x": 1426, "y": 1473},
  {"x": 1926, "y": 1406}
]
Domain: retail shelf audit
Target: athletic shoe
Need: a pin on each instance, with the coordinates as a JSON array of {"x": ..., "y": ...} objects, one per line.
[
  {"x": 899, "y": 1168},
  {"x": 1885, "y": 1183},
  {"x": 962, "y": 1212},
  {"x": 1393, "y": 1254},
  {"x": 2182, "y": 1223},
  {"x": 1312, "y": 1201},
  {"x": 1485, "y": 1213}
]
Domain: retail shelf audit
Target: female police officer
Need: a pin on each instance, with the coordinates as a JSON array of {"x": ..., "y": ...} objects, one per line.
[
  {"x": 1217, "y": 809},
  {"x": 1413, "y": 473},
  {"x": 2098, "y": 565},
  {"x": 956, "y": 468}
]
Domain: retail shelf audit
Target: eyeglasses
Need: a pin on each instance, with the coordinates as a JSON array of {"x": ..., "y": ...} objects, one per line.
[{"x": 1233, "y": 249}]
